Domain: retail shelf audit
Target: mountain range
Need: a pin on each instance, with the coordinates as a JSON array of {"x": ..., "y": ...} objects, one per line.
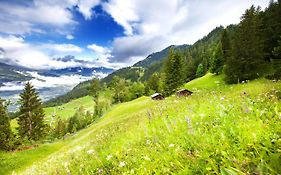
[{"x": 10, "y": 73}]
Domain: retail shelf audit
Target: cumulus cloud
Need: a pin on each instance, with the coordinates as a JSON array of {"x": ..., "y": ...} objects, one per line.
[
  {"x": 15, "y": 51},
  {"x": 103, "y": 57},
  {"x": 101, "y": 52},
  {"x": 64, "y": 48},
  {"x": 36, "y": 16},
  {"x": 153, "y": 25},
  {"x": 69, "y": 37},
  {"x": 41, "y": 16},
  {"x": 149, "y": 26},
  {"x": 85, "y": 7}
]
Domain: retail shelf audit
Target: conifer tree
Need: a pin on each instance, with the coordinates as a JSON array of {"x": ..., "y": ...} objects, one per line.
[
  {"x": 272, "y": 28},
  {"x": 94, "y": 88},
  {"x": 60, "y": 128},
  {"x": 248, "y": 61},
  {"x": 200, "y": 70},
  {"x": 94, "y": 91},
  {"x": 31, "y": 115},
  {"x": 218, "y": 62},
  {"x": 174, "y": 72},
  {"x": 190, "y": 67},
  {"x": 5, "y": 130},
  {"x": 225, "y": 45},
  {"x": 153, "y": 83}
]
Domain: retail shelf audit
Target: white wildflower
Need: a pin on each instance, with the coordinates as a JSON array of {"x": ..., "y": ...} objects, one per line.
[
  {"x": 109, "y": 157},
  {"x": 171, "y": 145},
  {"x": 90, "y": 151},
  {"x": 122, "y": 164},
  {"x": 148, "y": 142},
  {"x": 146, "y": 158},
  {"x": 202, "y": 115},
  {"x": 100, "y": 171}
]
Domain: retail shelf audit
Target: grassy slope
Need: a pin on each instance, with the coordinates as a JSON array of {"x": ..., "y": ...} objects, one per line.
[
  {"x": 218, "y": 126},
  {"x": 70, "y": 108},
  {"x": 66, "y": 110}
]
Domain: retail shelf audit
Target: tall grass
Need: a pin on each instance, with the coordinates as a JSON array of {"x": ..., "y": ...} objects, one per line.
[{"x": 218, "y": 129}]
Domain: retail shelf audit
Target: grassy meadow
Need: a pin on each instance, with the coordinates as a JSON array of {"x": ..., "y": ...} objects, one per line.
[{"x": 219, "y": 129}]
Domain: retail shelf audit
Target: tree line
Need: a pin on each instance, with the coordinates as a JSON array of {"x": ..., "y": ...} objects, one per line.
[{"x": 241, "y": 52}]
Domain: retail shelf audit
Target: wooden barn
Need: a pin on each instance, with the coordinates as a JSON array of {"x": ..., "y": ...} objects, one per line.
[
  {"x": 157, "y": 96},
  {"x": 183, "y": 93}
]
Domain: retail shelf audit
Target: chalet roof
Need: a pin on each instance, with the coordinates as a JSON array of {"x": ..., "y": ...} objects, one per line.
[
  {"x": 155, "y": 95},
  {"x": 182, "y": 90}
]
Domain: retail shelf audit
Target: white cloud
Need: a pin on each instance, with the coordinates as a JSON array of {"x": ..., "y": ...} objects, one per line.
[
  {"x": 153, "y": 25},
  {"x": 103, "y": 56},
  {"x": 36, "y": 16},
  {"x": 64, "y": 48},
  {"x": 85, "y": 7},
  {"x": 40, "y": 82},
  {"x": 69, "y": 37},
  {"x": 16, "y": 51},
  {"x": 123, "y": 12},
  {"x": 149, "y": 26},
  {"x": 101, "y": 52}
]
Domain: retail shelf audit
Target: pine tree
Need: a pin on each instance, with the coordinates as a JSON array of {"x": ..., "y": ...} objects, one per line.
[
  {"x": 272, "y": 28},
  {"x": 5, "y": 130},
  {"x": 73, "y": 123},
  {"x": 60, "y": 128},
  {"x": 200, "y": 70},
  {"x": 31, "y": 115},
  {"x": 190, "y": 67},
  {"x": 225, "y": 45},
  {"x": 248, "y": 61},
  {"x": 94, "y": 88},
  {"x": 153, "y": 83},
  {"x": 119, "y": 87},
  {"x": 218, "y": 62},
  {"x": 174, "y": 72}
]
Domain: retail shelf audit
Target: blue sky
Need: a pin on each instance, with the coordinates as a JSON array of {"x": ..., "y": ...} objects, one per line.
[{"x": 112, "y": 33}]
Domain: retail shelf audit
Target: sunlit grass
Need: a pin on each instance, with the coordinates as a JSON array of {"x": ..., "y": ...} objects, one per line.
[{"x": 219, "y": 126}]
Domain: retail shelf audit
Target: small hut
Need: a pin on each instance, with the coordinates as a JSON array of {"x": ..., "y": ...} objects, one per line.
[
  {"x": 157, "y": 96},
  {"x": 183, "y": 93}
]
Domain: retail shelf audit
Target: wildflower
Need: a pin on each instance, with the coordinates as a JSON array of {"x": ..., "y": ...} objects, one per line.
[
  {"x": 148, "y": 142},
  {"x": 146, "y": 158},
  {"x": 246, "y": 109},
  {"x": 122, "y": 164},
  {"x": 90, "y": 151},
  {"x": 202, "y": 115},
  {"x": 100, "y": 171},
  {"x": 109, "y": 157},
  {"x": 171, "y": 145}
]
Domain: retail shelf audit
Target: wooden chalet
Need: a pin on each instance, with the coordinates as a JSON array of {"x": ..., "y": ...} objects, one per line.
[
  {"x": 183, "y": 93},
  {"x": 157, "y": 96}
]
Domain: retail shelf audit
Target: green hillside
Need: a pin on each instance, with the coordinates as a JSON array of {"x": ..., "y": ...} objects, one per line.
[
  {"x": 68, "y": 109},
  {"x": 219, "y": 128}
]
